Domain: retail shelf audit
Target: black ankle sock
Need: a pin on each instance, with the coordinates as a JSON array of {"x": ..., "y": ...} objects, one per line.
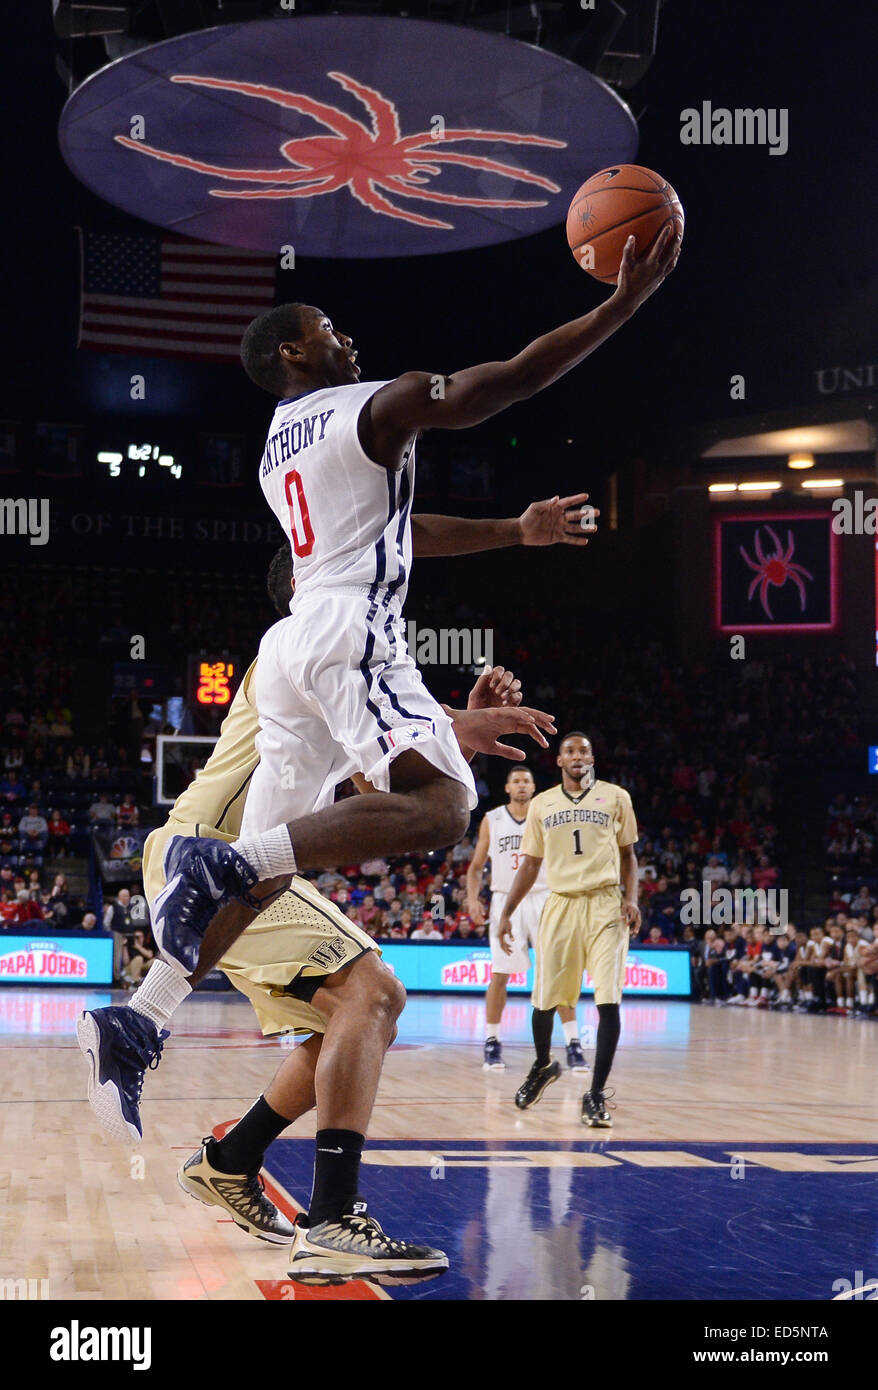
[
  {"x": 609, "y": 1028},
  {"x": 542, "y": 1021},
  {"x": 243, "y": 1148},
  {"x": 336, "y": 1173}
]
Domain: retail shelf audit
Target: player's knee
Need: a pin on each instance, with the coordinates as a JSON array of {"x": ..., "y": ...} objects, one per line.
[
  {"x": 447, "y": 813},
  {"x": 385, "y": 994}
]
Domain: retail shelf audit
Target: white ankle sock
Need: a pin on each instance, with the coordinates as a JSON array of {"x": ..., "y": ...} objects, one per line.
[
  {"x": 163, "y": 990},
  {"x": 571, "y": 1031},
  {"x": 269, "y": 854},
  {"x": 492, "y": 1030}
]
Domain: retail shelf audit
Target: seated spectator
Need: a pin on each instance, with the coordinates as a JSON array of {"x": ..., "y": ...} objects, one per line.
[
  {"x": 655, "y": 938},
  {"x": 384, "y": 893},
  {"x": 462, "y": 928},
  {"x": 12, "y": 789},
  {"x": 26, "y": 910},
  {"x": 863, "y": 902},
  {"x": 359, "y": 892},
  {"x": 8, "y": 907},
  {"x": 79, "y": 763},
  {"x": 60, "y": 891},
  {"x": 127, "y": 813},
  {"x": 394, "y": 912},
  {"x": 59, "y": 834},
  {"x": 427, "y": 931},
  {"x": 368, "y": 910},
  {"x": 34, "y": 830},
  {"x": 399, "y": 931},
  {"x": 137, "y": 957},
  {"x": 89, "y": 922},
  {"x": 715, "y": 872},
  {"x": 664, "y": 909},
  {"x": 329, "y": 881},
  {"x": 100, "y": 768},
  {"x": 102, "y": 811},
  {"x": 741, "y": 877},
  {"x": 714, "y": 958},
  {"x": 764, "y": 875}
]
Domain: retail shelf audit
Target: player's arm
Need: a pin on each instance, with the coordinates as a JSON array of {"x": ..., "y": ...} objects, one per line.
[
  {"x": 417, "y": 400},
  {"x": 628, "y": 873},
  {"x": 555, "y": 521},
  {"x": 474, "y": 873}
]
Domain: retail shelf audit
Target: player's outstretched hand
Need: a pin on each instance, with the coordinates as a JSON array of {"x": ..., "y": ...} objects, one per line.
[
  {"x": 479, "y": 729},
  {"x": 640, "y": 276},
  {"x": 495, "y": 686},
  {"x": 559, "y": 521}
]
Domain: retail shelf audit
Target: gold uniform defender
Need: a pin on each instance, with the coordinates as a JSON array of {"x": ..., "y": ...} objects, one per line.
[
  {"x": 583, "y": 832},
  {"x": 579, "y": 837},
  {"x": 301, "y": 934}
]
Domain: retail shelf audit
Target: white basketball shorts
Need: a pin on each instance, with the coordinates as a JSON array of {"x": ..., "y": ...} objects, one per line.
[
  {"x": 337, "y": 693},
  {"x": 525, "y": 926}
]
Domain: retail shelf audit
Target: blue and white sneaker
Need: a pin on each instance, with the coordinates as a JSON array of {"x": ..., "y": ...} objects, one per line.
[
  {"x": 201, "y": 876},
  {"x": 119, "y": 1045}
]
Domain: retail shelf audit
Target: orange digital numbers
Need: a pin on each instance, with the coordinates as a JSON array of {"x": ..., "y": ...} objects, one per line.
[{"x": 213, "y": 682}]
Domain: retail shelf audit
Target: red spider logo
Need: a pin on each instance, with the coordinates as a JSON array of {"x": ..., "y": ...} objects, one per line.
[
  {"x": 363, "y": 158},
  {"x": 774, "y": 569}
]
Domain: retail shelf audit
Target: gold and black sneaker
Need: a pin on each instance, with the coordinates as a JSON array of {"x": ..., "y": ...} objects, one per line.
[
  {"x": 240, "y": 1194},
  {"x": 355, "y": 1247},
  {"x": 536, "y": 1081},
  {"x": 594, "y": 1111}
]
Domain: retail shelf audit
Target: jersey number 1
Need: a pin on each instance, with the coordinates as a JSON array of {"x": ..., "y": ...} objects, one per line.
[
  {"x": 577, "y": 841},
  {"x": 302, "y": 544}
]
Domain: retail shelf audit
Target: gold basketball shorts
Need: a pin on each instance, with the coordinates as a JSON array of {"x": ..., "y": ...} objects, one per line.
[
  {"x": 587, "y": 932},
  {"x": 298, "y": 939}
]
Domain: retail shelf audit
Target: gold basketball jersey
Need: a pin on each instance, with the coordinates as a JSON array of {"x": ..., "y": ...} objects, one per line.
[{"x": 579, "y": 837}]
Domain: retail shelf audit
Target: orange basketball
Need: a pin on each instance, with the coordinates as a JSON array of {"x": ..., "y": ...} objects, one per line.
[{"x": 613, "y": 205}]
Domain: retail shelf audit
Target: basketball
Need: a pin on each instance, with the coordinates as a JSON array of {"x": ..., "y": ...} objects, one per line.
[{"x": 611, "y": 206}]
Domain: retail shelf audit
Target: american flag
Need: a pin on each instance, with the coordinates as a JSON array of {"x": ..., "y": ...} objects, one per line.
[{"x": 167, "y": 296}]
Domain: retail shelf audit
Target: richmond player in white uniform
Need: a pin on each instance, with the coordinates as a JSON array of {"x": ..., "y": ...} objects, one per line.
[
  {"x": 499, "y": 842},
  {"x": 338, "y": 471},
  {"x": 585, "y": 831}
]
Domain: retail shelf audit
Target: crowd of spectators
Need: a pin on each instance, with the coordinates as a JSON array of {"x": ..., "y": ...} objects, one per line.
[
  {"x": 698, "y": 745},
  {"x": 830, "y": 968}
]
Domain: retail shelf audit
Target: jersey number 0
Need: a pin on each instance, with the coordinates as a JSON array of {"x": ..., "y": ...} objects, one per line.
[{"x": 303, "y": 543}]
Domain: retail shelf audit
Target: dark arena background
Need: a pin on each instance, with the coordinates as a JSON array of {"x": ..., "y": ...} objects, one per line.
[{"x": 166, "y": 165}]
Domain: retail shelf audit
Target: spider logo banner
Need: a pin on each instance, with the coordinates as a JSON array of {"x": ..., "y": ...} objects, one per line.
[
  {"x": 344, "y": 136},
  {"x": 775, "y": 572}
]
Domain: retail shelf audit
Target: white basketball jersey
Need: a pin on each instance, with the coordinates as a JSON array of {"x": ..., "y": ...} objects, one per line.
[
  {"x": 504, "y": 851},
  {"x": 347, "y": 519}
]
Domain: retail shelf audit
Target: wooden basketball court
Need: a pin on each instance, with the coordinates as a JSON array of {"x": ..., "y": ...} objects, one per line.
[{"x": 787, "y": 1100}]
